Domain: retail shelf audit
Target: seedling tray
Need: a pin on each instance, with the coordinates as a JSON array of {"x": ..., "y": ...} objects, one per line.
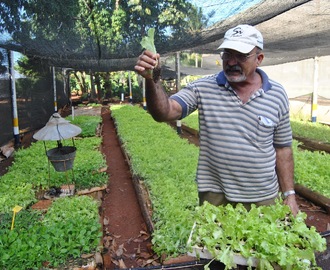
[{"x": 203, "y": 253}]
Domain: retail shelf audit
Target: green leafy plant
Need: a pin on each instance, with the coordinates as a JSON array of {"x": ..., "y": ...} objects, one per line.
[
  {"x": 312, "y": 169},
  {"x": 147, "y": 42},
  {"x": 169, "y": 176},
  {"x": 313, "y": 131},
  {"x": 87, "y": 123},
  {"x": 31, "y": 171},
  {"x": 164, "y": 172},
  {"x": 69, "y": 228},
  {"x": 268, "y": 233},
  {"x": 191, "y": 121}
]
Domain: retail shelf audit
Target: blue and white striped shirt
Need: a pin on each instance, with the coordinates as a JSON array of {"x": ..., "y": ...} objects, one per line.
[{"x": 238, "y": 140}]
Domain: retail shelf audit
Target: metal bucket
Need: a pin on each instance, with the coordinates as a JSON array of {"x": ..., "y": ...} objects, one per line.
[{"x": 62, "y": 157}]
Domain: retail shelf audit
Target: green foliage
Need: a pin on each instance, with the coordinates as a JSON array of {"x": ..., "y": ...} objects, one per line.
[
  {"x": 167, "y": 164},
  {"x": 120, "y": 84},
  {"x": 13, "y": 193},
  {"x": 31, "y": 171},
  {"x": 166, "y": 172},
  {"x": 147, "y": 42},
  {"x": 32, "y": 67},
  {"x": 69, "y": 228},
  {"x": 191, "y": 121},
  {"x": 87, "y": 123},
  {"x": 312, "y": 169},
  {"x": 313, "y": 131},
  {"x": 269, "y": 233},
  {"x": 104, "y": 27}
]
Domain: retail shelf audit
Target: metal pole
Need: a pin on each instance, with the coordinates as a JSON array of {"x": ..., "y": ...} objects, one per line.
[
  {"x": 130, "y": 87},
  {"x": 178, "y": 86},
  {"x": 144, "y": 93},
  {"x": 13, "y": 95},
  {"x": 315, "y": 89},
  {"x": 54, "y": 87}
]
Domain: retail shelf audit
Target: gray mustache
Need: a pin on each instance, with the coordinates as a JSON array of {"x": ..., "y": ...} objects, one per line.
[{"x": 234, "y": 68}]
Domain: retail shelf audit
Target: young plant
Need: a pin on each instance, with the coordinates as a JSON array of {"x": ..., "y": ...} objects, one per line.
[
  {"x": 70, "y": 228},
  {"x": 148, "y": 42},
  {"x": 268, "y": 233}
]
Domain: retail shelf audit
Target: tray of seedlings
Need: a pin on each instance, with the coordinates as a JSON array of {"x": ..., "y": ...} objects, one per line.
[{"x": 267, "y": 237}]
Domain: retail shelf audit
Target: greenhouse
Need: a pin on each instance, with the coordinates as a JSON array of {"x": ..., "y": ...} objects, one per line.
[{"x": 89, "y": 180}]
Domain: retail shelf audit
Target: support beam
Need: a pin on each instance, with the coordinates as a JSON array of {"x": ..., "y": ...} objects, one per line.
[
  {"x": 14, "y": 100},
  {"x": 315, "y": 90},
  {"x": 178, "y": 86}
]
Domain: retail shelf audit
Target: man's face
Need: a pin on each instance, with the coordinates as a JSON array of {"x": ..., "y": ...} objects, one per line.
[{"x": 238, "y": 67}]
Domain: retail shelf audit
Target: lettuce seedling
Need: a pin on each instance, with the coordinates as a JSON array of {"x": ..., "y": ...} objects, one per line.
[{"x": 147, "y": 42}]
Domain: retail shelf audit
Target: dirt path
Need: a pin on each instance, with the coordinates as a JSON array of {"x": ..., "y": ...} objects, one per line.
[{"x": 126, "y": 237}]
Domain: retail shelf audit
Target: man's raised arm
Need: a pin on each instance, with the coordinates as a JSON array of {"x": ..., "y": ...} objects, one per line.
[{"x": 159, "y": 105}]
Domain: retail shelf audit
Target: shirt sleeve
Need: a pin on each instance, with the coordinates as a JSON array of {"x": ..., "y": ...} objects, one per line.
[
  {"x": 283, "y": 131},
  {"x": 187, "y": 98}
]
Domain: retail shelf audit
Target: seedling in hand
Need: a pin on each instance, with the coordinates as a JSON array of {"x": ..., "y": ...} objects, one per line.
[{"x": 148, "y": 43}]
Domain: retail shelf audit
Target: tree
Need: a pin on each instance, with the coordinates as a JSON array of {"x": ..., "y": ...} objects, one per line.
[
  {"x": 92, "y": 29},
  {"x": 32, "y": 67},
  {"x": 3, "y": 67}
]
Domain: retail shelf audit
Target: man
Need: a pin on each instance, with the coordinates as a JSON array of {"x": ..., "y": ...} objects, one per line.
[{"x": 245, "y": 133}]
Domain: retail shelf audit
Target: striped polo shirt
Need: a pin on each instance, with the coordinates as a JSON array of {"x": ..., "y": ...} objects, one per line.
[{"x": 237, "y": 141}]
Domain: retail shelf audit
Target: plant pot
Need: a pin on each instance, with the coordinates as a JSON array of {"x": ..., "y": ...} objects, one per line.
[{"x": 62, "y": 157}]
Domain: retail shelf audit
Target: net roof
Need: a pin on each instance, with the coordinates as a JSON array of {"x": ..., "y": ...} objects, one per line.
[{"x": 293, "y": 30}]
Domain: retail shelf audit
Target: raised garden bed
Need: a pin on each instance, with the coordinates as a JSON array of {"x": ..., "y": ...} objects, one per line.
[
  {"x": 125, "y": 145},
  {"x": 136, "y": 251}
]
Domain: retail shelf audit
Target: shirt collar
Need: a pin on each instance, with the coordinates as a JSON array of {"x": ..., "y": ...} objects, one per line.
[{"x": 266, "y": 85}]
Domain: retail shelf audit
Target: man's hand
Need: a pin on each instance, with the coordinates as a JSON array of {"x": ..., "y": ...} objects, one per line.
[
  {"x": 292, "y": 203},
  {"x": 146, "y": 63}
]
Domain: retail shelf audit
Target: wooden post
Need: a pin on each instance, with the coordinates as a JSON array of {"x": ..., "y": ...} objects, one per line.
[{"x": 54, "y": 89}]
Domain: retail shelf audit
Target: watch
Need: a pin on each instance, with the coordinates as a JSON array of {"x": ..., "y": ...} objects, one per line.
[{"x": 288, "y": 193}]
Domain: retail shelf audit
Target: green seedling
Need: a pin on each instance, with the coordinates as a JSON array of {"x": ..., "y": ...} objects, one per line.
[{"x": 148, "y": 43}]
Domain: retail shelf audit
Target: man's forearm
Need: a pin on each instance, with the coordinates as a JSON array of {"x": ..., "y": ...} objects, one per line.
[
  {"x": 159, "y": 105},
  {"x": 285, "y": 174},
  {"x": 157, "y": 100},
  {"x": 285, "y": 168}
]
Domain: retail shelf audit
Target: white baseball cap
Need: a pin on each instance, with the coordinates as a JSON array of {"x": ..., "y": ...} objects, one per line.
[{"x": 242, "y": 38}]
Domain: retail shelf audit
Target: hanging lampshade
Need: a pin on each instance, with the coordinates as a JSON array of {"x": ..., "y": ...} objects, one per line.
[{"x": 56, "y": 129}]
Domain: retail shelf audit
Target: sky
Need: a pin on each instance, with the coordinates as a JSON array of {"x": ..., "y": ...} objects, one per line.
[{"x": 223, "y": 8}]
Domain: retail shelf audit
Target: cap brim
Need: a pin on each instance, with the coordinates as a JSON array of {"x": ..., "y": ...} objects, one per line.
[{"x": 236, "y": 46}]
